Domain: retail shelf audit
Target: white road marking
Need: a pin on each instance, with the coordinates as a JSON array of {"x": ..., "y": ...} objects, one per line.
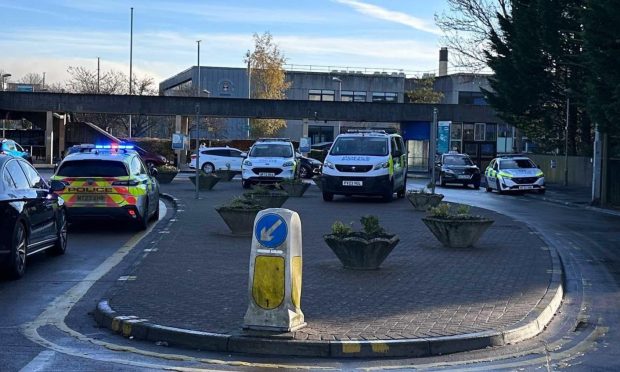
[{"x": 41, "y": 362}]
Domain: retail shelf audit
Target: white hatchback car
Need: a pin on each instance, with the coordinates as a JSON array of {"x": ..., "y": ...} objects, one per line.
[{"x": 219, "y": 158}]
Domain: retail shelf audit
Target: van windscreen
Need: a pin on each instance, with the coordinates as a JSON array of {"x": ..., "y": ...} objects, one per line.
[{"x": 370, "y": 146}]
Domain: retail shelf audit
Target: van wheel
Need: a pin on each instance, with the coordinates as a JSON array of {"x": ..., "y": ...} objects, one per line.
[
  {"x": 328, "y": 196},
  {"x": 401, "y": 193}
]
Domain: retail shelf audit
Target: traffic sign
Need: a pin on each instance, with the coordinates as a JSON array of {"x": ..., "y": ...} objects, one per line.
[{"x": 271, "y": 230}]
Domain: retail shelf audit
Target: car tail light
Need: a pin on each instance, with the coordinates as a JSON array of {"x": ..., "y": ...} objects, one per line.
[{"x": 132, "y": 213}]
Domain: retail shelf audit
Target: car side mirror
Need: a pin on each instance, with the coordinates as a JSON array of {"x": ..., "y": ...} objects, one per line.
[
  {"x": 153, "y": 172},
  {"x": 56, "y": 186}
]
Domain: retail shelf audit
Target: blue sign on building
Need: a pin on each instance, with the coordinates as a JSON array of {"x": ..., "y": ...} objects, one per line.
[{"x": 271, "y": 230}]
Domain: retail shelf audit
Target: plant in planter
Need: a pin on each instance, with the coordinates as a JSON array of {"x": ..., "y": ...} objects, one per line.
[
  {"x": 424, "y": 198},
  {"x": 268, "y": 198},
  {"x": 166, "y": 173},
  {"x": 226, "y": 174},
  {"x": 239, "y": 215},
  {"x": 294, "y": 187},
  {"x": 456, "y": 227},
  {"x": 361, "y": 250},
  {"x": 206, "y": 181}
]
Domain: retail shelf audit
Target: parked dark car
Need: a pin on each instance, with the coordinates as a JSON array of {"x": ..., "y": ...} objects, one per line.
[
  {"x": 457, "y": 168},
  {"x": 33, "y": 217},
  {"x": 10, "y": 147},
  {"x": 309, "y": 167},
  {"x": 151, "y": 159}
]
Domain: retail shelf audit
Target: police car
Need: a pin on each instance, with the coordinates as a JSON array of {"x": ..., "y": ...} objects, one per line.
[
  {"x": 108, "y": 181},
  {"x": 514, "y": 173},
  {"x": 365, "y": 162},
  {"x": 269, "y": 160}
]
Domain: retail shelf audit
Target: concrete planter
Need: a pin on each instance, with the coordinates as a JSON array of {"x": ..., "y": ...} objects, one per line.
[
  {"x": 226, "y": 175},
  {"x": 423, "y": 201},
  {"x": 239, "y": 221},
  {"x": 205, "y": 182},
  {"x": 166, "y": 177},
  {"x": 357, "y": 253},
  {"x": 271, "y": 200},
  {"x": 296, "y": 190},
  {"x": 457, "y": 233}
]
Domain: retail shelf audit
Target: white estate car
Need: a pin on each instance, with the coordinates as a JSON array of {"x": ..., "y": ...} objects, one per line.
[
  {"x": 269, "y": 160},
  {"x": 514, "y": 173},
  {"x": 219, "y": 158}
]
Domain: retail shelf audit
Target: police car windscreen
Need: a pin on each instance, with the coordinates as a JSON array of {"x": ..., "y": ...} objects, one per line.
[
  {"x": 271, "y": 151},
  {"x": 516, "y": 164},
  {"x": 360, "y": 146},
  {"x": 92, "y": 168}
]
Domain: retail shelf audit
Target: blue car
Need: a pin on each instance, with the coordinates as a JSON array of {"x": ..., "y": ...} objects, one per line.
[{"x": 10, "y": 147}]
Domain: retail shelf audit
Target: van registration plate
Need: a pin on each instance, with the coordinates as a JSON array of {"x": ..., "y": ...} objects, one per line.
[{"x": 352, "y": 183}]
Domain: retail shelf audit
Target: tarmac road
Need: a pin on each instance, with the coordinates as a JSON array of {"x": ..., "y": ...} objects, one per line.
[{"x": 35, "y": 335}]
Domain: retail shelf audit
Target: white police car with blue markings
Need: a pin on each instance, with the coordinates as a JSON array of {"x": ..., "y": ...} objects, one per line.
[
  {"x": 365, "y": 162},
  {"x": 270, "y": 160},
  {"x": 514, "y": 173}
]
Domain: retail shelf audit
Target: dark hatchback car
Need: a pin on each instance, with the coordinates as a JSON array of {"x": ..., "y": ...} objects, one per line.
[
  {"x": 309, "y": 167},
  {"x": 457, "y": 168},
  {"x": 32, "y": 216},
  {"x": 151, "y": 159}
]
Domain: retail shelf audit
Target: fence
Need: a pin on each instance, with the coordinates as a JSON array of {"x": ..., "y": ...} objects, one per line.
[{"x": 579, "y": 169}]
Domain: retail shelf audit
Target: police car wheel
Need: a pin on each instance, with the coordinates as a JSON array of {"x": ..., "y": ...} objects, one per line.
[
  {"x": 155, "y": 216},
  {"x": 476, "y": 184},
  {"x": 143, "y": 221},
  {"x": 246, "y": 184},
  {"x": 499, "y": 189},
  {"x": 328, "y": 196}
]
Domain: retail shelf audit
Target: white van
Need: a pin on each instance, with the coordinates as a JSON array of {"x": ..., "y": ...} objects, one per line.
[{"x": 365, "y": 162}]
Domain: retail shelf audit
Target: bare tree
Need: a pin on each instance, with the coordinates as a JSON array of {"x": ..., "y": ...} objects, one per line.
[
  {"x": 83, "y": 80},
  {"x": 467, "y": 26},
  {"x": 32, "y": 78}
]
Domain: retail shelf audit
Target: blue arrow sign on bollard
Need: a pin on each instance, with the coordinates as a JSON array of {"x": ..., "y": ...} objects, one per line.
[{"x": 271, "y": 230}]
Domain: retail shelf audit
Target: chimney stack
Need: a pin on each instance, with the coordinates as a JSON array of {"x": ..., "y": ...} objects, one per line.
[{"x": 443, "y": 61}]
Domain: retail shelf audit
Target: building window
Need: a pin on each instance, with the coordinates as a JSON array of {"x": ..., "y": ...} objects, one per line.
[
  {"x": 384, "y": 97},
  {"x": 491, "y": 132},
  {"x": 472, "y": 98},
  {"x": 351, "y": 96},
  {"x": 456, "y": 131},
  {"x": 320, "y": 133},
  {"x": 468, "y": 132},
  {"x": 479, "y": 131},
  {"x": 321, "y": 95}
]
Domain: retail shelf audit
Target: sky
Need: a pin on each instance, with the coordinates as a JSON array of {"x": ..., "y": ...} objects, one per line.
[{"x": 51, "y": 35}]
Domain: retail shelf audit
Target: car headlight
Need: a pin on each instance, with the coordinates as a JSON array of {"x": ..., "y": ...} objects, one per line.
[
  {"x": 449, "y": 171},
  {"x": 329, "y": 165},
  {"x": 288, "y": 163},
  {"x": 247, "y": 163},
  {"x": 384, "y": 164},
  {"x": 540, "y": 174}
]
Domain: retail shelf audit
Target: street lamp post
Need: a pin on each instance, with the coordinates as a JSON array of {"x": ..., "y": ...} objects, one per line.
[
  {"x": 130, "y": 65},
  {"x": 339, "y": 96},
  {"x": 433, "y": 148},
  {"x": 198, "y": 91}
]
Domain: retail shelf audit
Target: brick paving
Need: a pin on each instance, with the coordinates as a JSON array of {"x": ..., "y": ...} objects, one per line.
[{"x": 198, "y": 276}]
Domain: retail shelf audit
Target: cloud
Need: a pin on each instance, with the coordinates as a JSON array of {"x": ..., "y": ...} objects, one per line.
[{"x": 391, "y": 16}]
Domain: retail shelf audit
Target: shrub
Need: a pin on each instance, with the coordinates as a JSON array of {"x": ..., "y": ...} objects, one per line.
[
  {"x": 461, "y": 212},
  {"x": 340, "y": 229},
  {"x": 240, "y": 202},
  {"x": 371, "y": 226},
  {"x": 167, "y": 169}
]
